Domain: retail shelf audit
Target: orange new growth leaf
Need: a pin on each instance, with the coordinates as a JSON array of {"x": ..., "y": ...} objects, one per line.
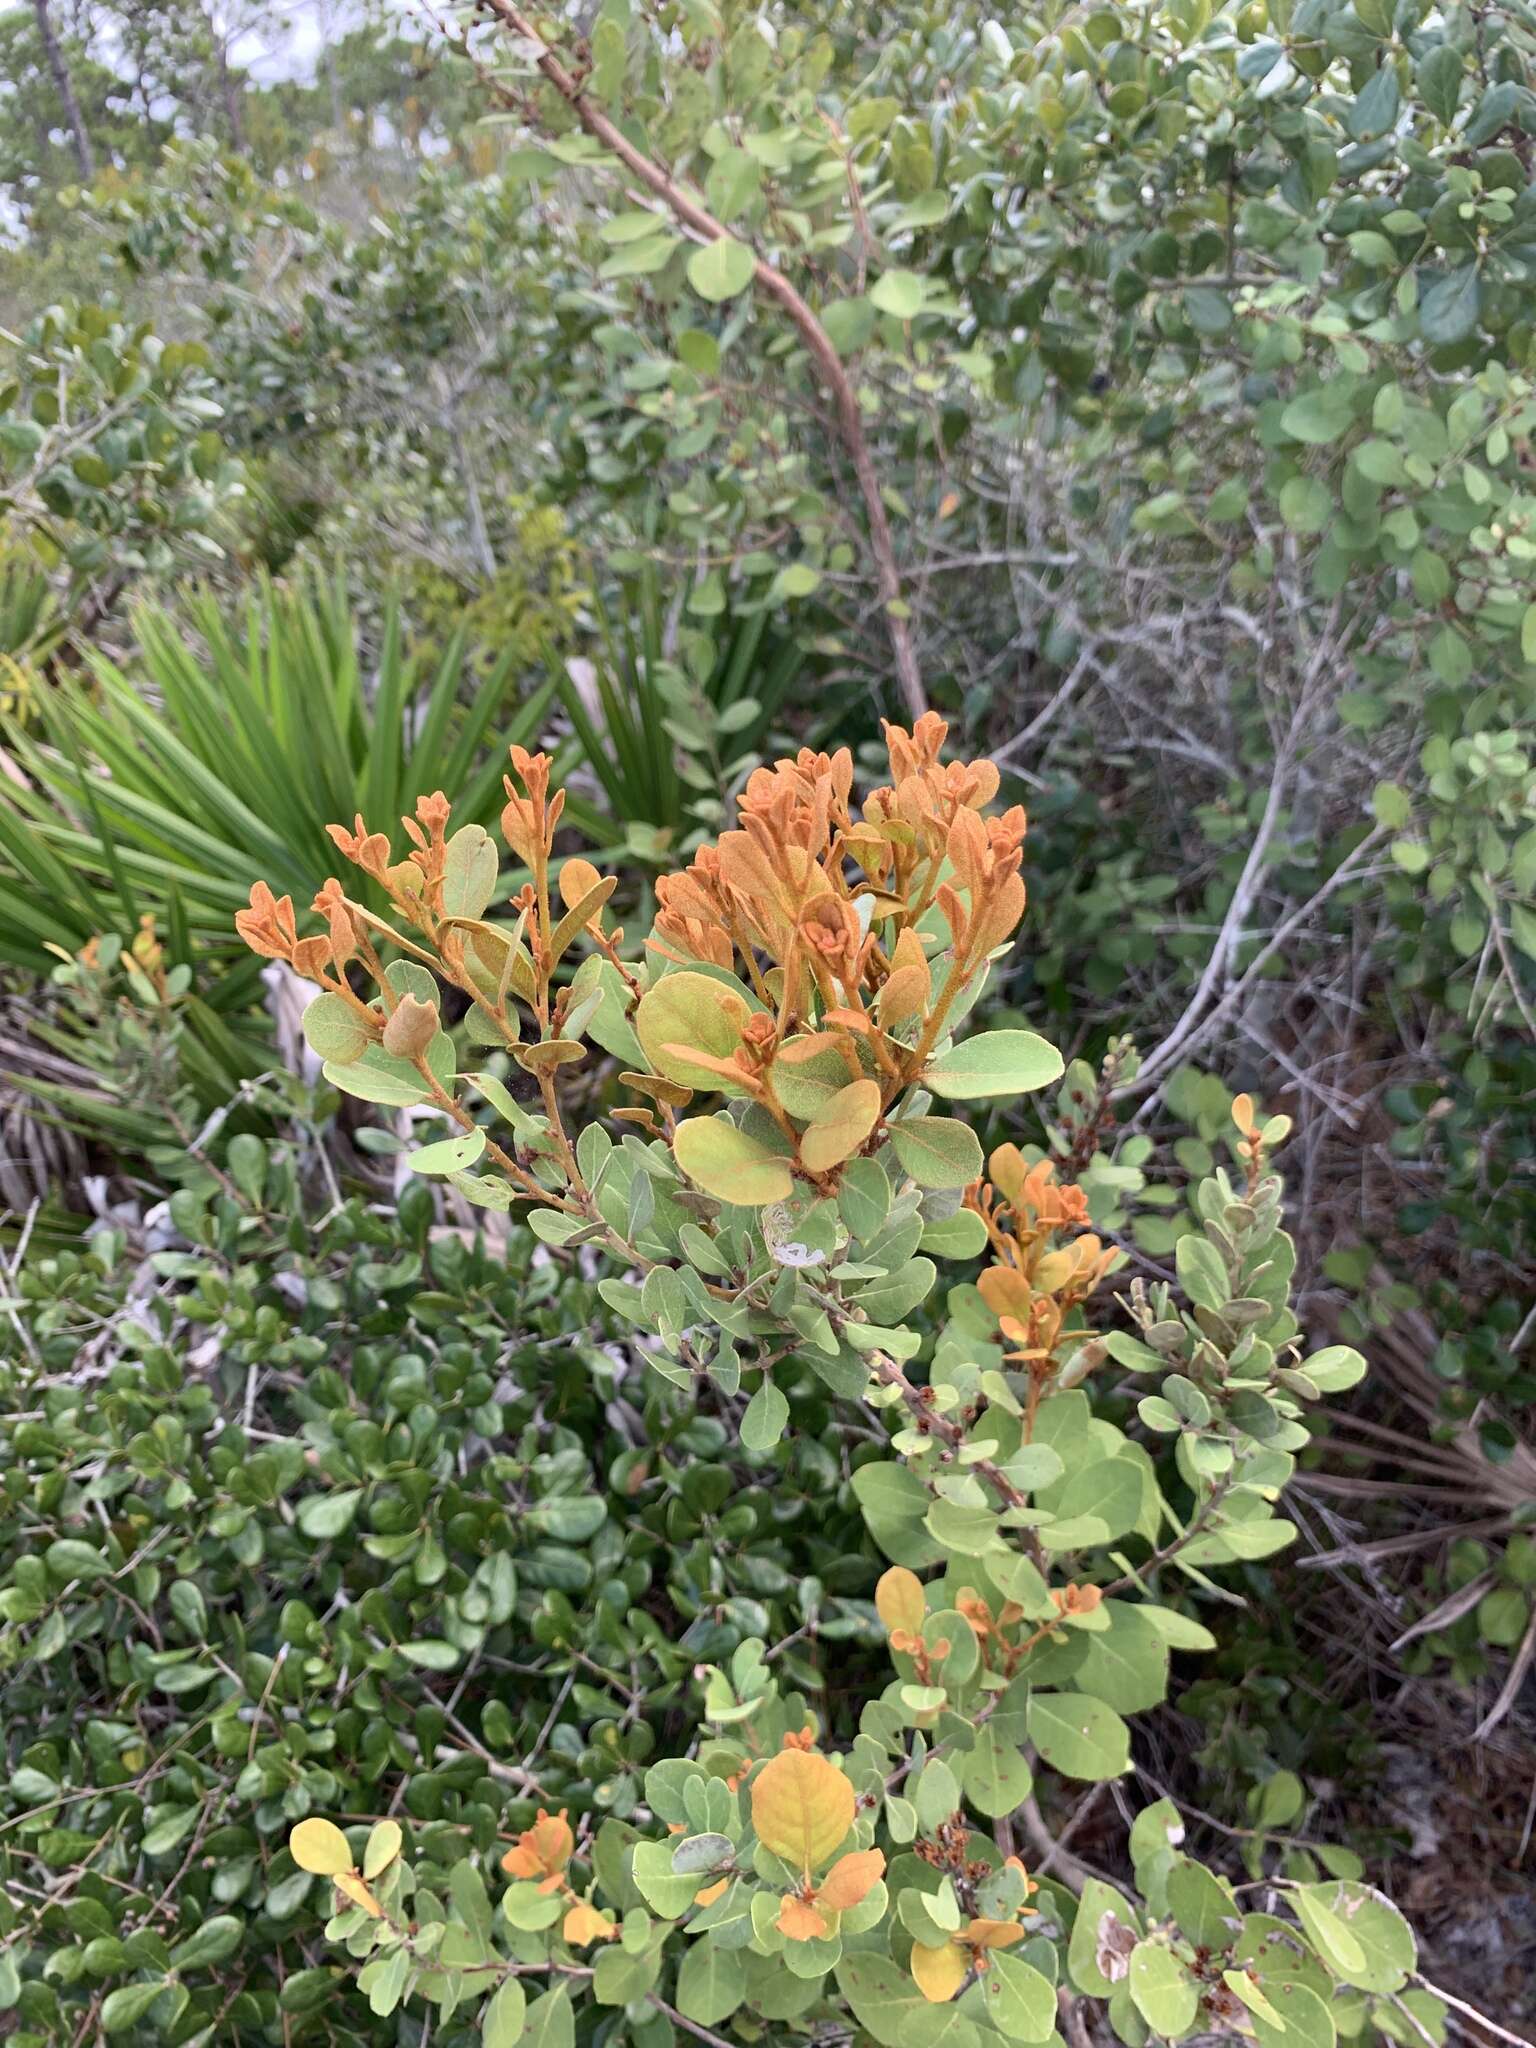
[
  {"x": 799, "y": 1919},
  {"x": 542, "y": 1851},
  {"x": 320, "y": 1847},
  {"x": 577, "y": 879},
  {"x": 984, "y": 1934},
  {"x": 352, "y": 1887},
  {"x": 584, "y": 1923},
  {"x": 426, "y": 834},
  {"x": 1005, "y": 1291},
  {"x": 802, "y": 1914},
  {"x": 412, "y": 1026},
  {"x": 802, "y": 1807},
  {"x": 331, "y": 904},
  {"x": 939, "y": 1972},
  {"x": 1036, "y": 1281},
  {"x": 785, "y": 882},
  {"x": 976, "y": 1611},
  {"x": 268, "y": 927},
  {"x": 840, "y": 1126},
  {"x": 365, "y": 849},
  {"x": 528, "y": 822},
  {"x": 851, "y": 1879},
  {"x": 910, "y": 983},
  {"x": 823, "y": 910}
]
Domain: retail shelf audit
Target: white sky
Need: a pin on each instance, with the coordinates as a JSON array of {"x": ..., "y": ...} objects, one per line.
[
  {"x": 288, "y": 44},
  {"x": 289, "y": 50}
]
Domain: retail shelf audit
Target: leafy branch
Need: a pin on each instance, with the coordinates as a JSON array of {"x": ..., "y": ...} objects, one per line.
[{"x": 689, "y": 211}]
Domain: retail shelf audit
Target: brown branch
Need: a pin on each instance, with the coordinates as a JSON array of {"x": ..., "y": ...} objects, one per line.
[
  {"x": 1510, "y": 1690},
  {"x": 64, "y": 86},
  {"x": 692, "y": 2026},
  {"x": 774, "y": 285},
  {"x": 1199, "y": 1523},
  {"x": 953, "y": 1434},
  {"x": 1053, "y": 1852}
]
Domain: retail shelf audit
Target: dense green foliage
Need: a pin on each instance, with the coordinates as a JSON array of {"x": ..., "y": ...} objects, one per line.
[
  {"x": 231, "y": 741},
  {"x": 250, "y": 1534}
]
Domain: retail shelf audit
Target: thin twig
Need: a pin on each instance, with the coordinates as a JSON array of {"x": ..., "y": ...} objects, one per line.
[
  {"x": 1073, "y": 1872},
  {"x": 1175, "y": 1046},
  {"x": 1470, "y": 2012},
  {"x": 681, "y": 2020},
  {"x": 1509, "y": 1691}
]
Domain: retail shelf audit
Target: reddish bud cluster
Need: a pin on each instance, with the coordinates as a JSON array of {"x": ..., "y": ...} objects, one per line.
[
  {"x": 528, "y": 821},
  {"x": 1035, "y": 1280},
  {"x": 799, "y": 879}
]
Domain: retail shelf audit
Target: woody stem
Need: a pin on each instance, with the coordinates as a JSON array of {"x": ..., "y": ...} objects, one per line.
[
  {"x": 952, "y": 1434},
  {"x": 451, "y": 1106}
]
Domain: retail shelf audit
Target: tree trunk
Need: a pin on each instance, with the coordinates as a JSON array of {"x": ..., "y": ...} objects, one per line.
[
  {"x": 229, "y": 85},
  {"x": 65, "y": 87}
]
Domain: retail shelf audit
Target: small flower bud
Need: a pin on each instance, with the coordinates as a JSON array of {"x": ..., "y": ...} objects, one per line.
[
  {"x": 1084, "y": 1360},
  {"x": 412, "y": 1027}
]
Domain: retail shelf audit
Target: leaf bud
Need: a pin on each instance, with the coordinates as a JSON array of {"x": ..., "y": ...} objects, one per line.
[{"x": 412, "y": 1026}]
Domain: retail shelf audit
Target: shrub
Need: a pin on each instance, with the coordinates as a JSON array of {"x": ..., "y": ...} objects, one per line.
[
  {"x": 669, "y": 721},
  {"x": 111, "y": 465},
  {"x": 316, "y": 1508},
  {"x": 813, "y": 969}
]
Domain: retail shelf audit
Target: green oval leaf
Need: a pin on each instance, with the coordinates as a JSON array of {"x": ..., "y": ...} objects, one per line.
[
  {"x": 995, "y": 1063},
  {"x": 721, "y": 269},
  {"x": 502, "y": 2026},
  {"x": 332, "y": 1030},
  {"x": 448, "y": 1155},
  {"x": 1164, "y": 1992},
  {"x": 1080, "y": 1737},
  {"x": 937, "y": 1151},
  {"x": 729, "y": 1164}
]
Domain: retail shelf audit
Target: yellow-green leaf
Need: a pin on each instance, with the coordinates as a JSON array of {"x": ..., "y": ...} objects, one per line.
[
  {"x": 383, "y": 1847},
  {"x": 840, "y": 1126},
  {"x": 1165, "y": 1994},
  {"x": 1078, "y": 1736},
  {"x": 937, "y": 1151},
  {"x": 1334, "y": 1941},
  {"x": 332, "y": 1030},
  {"x": 686, "y": 1012},
  {"x": 899, "y": 1600},
  {"x": 721, "y": 269},
  {"x": 729, "y": 1164},
  {"x": 995, "y": 1063},
  {"x": 320, "y": 1847},
  {"x": 469, "y": 872}
]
